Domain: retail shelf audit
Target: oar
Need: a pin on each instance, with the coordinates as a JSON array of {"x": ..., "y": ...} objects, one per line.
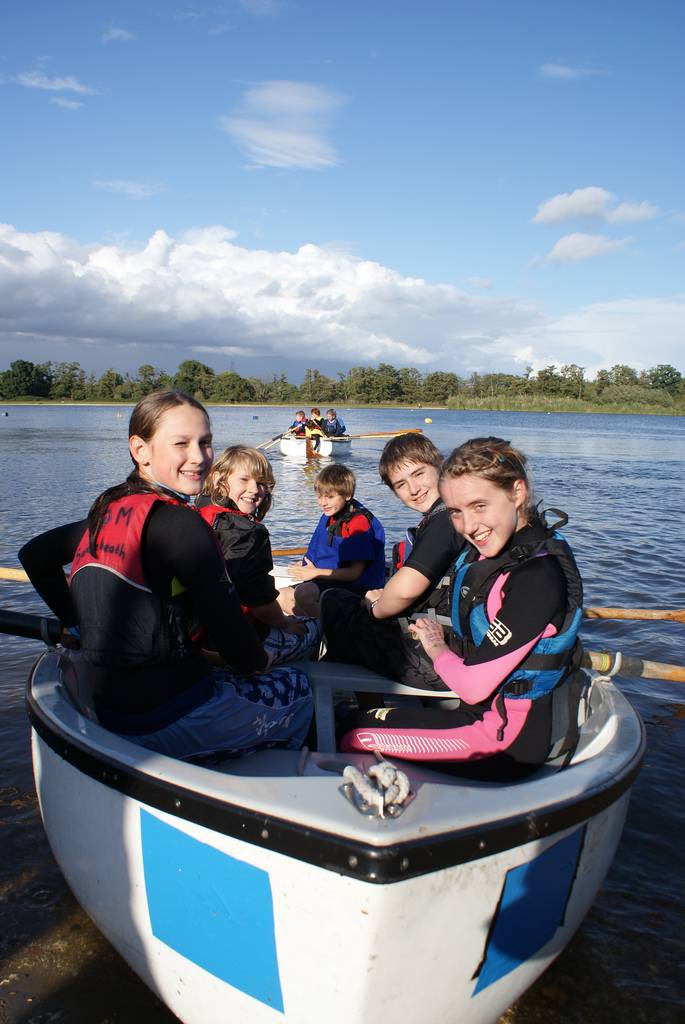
[
  {"x": 36, "y": 627},
  {"x": 673, "y": 615},
  {"x": 380, "y": 433},
  {"x": 668, "y": 615},
  {"x": 615, "y": 663},
  {"x": 265, "y": 445},
  {"x": 19, "y": 576}
]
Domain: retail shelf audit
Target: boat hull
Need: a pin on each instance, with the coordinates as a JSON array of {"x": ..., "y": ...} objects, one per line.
[
  {"x": 229, "y": 912},
  {"x": 296, "y": 447}
]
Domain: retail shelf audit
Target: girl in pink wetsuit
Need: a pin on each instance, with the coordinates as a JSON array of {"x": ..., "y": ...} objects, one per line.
[{"x": 511, "y": 655}]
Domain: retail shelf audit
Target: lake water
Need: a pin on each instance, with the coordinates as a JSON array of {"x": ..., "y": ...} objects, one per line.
[{"x": 619, "y": 478}]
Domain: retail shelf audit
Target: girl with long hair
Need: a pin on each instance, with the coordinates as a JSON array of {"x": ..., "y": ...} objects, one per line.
[
  {"x": 510, "y": 654},
  {"x": 148, "y": 590}
]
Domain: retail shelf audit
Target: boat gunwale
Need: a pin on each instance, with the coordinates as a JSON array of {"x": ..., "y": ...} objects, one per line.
[{"x": 364, "y": 861}]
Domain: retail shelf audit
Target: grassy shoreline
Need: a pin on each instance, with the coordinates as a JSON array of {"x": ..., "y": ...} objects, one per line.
[{"x": 477, "y": 405}]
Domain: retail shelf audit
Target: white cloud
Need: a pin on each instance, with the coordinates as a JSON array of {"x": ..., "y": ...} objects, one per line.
[
  {"x": 577, "y": 247},
  {"x": 37, "y": 80},
  {"x": 60, "y": 101},
  {"x": 592, "y": 202},
  {"x": 583, "y": 202},
  {"x": 480, "y": 282},
  {"x": 568, "y": 72},
  {"x": 117, "y": 35},
  {"x": 132, "y": 189},
  {"x": 201, "y": 293},
  {"x": 285, "y": 124},
  {"x": 631, "y": 213},
  {"x": 639, "y": 332}
]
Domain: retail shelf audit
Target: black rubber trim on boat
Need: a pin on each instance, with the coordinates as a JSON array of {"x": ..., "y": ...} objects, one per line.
[{"x": 380, "y": 865}]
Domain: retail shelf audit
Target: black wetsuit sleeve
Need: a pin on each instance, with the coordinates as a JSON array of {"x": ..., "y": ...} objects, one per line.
[
  {"x": 247, "y": 551},
  {"x": 180, "y": 544},
  {"x": 436, "y": 548},
  {"x": 44, "y": 558},
  {"x": 533, "y": 597}
]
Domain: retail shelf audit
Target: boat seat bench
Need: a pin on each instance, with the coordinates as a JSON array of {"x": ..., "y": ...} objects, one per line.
[{"x": 326, "y": 677}]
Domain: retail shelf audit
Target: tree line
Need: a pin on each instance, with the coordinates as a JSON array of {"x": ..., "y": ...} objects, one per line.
[{"x": 661, "y": 386}]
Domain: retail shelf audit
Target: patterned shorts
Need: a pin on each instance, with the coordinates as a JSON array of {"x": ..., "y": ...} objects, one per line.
[{"x": 289, "y": 647}]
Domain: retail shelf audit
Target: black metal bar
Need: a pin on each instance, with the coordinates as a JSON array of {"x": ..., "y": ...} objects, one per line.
[{"x": 33, "y": 627}]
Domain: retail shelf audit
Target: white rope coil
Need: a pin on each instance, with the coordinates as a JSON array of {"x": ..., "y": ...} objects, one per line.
[{"x": 383, "y": 787}]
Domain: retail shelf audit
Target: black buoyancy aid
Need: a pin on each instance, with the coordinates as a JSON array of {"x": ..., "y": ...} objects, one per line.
[
  {"x": 437, "y": 601},
  {"x": 216, "y": 516},
  {"x": 123, "y": 624},
  {"x": 553, "y": 659},
  {"x": 211, "y": 512}
]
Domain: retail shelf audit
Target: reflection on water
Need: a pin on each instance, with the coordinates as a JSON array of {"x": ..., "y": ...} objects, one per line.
[{"x": 619, "y": 478}]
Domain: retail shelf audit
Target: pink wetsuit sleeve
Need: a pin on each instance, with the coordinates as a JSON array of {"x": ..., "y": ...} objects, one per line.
[{"x": 475, "y": 683}]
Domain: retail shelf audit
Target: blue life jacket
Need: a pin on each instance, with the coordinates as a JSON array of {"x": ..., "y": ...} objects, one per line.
[
  {"x": 334, "y": 427},
  {"x": 326, "y": 542},
  {"x": 553, "y": 659}
]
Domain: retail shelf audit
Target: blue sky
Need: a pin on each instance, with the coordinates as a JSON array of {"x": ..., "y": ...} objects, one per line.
[{"x": 269, "y": 185}]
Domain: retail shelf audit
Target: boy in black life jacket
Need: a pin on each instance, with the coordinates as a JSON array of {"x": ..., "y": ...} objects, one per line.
[
  {"x": 371, "y": 633},
  {"x": 347, "y": 548}
]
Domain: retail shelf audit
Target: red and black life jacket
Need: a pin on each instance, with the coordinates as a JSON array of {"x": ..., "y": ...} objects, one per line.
[
  {"x": 123, "y": 624},
  {"x": 325, "y": 543}
]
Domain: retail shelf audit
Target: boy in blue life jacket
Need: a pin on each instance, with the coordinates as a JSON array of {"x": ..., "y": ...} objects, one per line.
[
  {"x": 333, "y": 424},
  {"x": 347, "y": 548},
  {"x": 373, "y": 632}
]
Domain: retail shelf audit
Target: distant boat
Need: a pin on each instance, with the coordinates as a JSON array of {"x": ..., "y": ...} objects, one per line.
[{"x": 296, "y": 447}]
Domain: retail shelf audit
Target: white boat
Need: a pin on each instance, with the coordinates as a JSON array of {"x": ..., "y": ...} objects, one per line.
[
  {"x": 296, "y": 447},
  {"x": 258, "y": 889}
]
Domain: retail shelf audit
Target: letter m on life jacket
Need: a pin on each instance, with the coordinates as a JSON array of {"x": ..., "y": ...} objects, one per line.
[{"x": 124, "y": 514}]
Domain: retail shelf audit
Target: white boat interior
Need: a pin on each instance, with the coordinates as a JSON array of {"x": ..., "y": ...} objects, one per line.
[{"x": 265, "y": 888}]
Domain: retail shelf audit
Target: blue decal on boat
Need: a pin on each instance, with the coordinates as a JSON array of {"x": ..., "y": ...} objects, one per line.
[
  {"x": 213, "y": 909},
  {"x": 531, "y": 908}
]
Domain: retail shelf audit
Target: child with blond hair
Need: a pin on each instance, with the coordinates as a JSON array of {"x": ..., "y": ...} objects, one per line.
[{"x": 236, "y": 497}]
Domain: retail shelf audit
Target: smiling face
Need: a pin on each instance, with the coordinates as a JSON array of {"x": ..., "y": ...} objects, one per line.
[
  {"x": 331, "y": 502},
  {"x": 415, "y": 484},
  {"x": 245, "y": 491},
  {"x": 484, "y": 513},
  {"x": 179, "y": 454}
]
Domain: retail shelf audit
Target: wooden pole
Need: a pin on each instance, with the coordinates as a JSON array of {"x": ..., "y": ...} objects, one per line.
[
  {"x": 608, "y": 662},
  {"x": 265, "y": 445},
  {"x": 673, "y": 615},
  {"x": 668, "y": 615},
  {"x": 379, "y": 433},
  {"x": 36, "y": 627},
  {"x": 19, "y": 576}
]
